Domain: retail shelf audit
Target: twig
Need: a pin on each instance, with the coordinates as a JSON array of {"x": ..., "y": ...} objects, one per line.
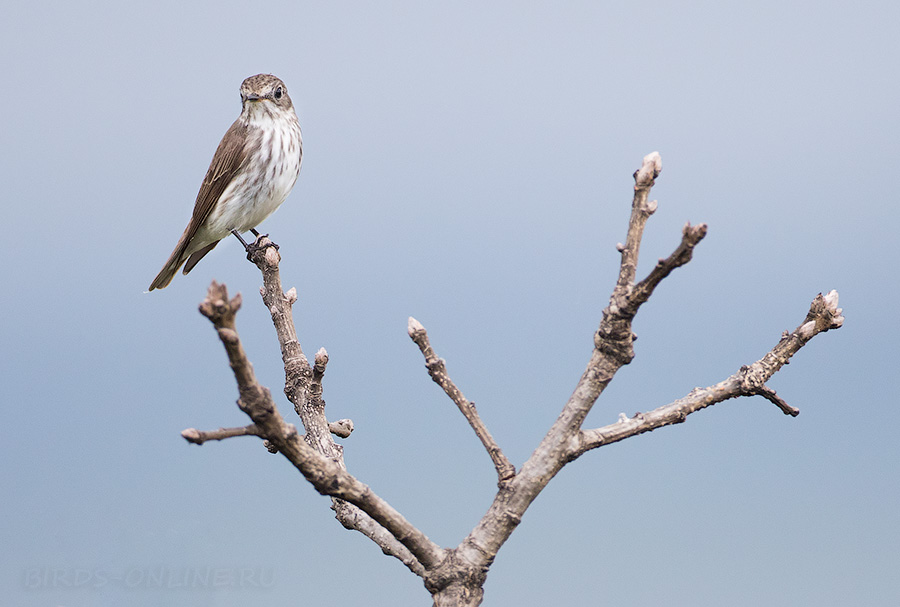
[
  {"x": 354, "y": 519},
  {"x": 770, "y": 395},
  {"x": 437, "y": 369},
  {"x": 315, "y": 410},
  {"x": 321, "y": 361},
  {"x": 641, "y": 210},
  {"x": 749, "y": 380},
  {"x": 198, "y": 437},
  {"x": 691, "y": 236}
]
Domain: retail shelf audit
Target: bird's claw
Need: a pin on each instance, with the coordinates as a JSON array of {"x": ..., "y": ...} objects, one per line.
[{"x": 256, "y": 247}]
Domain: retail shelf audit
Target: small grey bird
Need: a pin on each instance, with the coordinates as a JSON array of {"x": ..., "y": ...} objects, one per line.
[{"x": 252, "y": 172}]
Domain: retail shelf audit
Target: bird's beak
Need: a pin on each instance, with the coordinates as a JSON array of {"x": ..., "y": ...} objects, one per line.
[{"x": 252, "y": 97}]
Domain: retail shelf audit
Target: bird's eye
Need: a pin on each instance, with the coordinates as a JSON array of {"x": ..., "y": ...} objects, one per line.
[{"x": 279, "y": 92}]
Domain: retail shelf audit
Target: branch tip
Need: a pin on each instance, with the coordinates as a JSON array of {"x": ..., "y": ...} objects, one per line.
[
  {"x": 198, "y": 437},
  {"x": 413, "y": 327},
  {"x": 218, "y": 308},
  {"x": 342, "y": 427},
  {"x": 830, "y": 300},
  {"x": 437, "y": 370},
  {"x": 698, "y": 232},
  {"x": 770, "y": 395},
  {"x": 650, "y": 169},
  {"x": 824, "y": 315}
]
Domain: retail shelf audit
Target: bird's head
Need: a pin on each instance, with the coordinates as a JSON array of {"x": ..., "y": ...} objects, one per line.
[{"x": 264, "y": 95}]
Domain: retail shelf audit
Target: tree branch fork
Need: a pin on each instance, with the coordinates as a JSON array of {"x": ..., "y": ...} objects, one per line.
[{"x": 455, "y": 576}]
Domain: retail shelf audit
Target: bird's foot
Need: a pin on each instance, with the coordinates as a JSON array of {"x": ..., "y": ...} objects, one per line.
[
  {"x": 256, "y": 246},
  {"x": 259, "y": 247}
]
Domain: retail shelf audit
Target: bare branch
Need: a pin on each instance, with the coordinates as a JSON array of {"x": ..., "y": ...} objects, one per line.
[
  {"x": 198, "y": 437},
  {"x": 749, "y": 380},
  {"x": 612, "y": 349},
  {"x": 641, "y": 210},
  {"x": 327, "y": 475},
  {"x": 770, "y": 395},
  {"x": 297, "y": 371},
  {"x": 437, "y": 369},
  {"x": 456, "y": 576},
  {"x": 310, "y": 395},
  {"x": 354, "y": 519},
  {"x": 302, "y": 386},
  {"x": 691, "y": 236}
]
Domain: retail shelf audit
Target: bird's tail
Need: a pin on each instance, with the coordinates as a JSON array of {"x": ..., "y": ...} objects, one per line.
[
  {"x": 183, "y": 252},
  {"x": 166, "y": 275},
  {"x": 176, "y": 259}
]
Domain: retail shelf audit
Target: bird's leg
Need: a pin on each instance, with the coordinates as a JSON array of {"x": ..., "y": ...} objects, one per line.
[{"x": 243, "y": 242}]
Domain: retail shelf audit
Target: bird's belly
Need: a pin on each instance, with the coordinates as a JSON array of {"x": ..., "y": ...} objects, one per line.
[{"x": 246, "y": 203}]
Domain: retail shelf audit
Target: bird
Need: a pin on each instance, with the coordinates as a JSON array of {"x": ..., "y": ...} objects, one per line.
[{"x": 253, "y": 170}]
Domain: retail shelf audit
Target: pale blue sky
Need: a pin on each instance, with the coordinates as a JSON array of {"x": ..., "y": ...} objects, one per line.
[{"x": 469, "y": 165}]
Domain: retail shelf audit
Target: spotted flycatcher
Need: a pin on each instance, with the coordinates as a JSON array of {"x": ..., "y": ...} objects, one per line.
[{"x": 252, "y": 172}]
